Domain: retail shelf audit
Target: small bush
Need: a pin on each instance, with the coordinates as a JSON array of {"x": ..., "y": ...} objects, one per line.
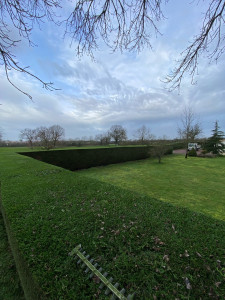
[
  {"x": 192, "y": 152},
  {"x": 169, "y": 151}
]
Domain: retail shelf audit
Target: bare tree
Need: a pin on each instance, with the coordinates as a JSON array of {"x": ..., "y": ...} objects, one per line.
[
  {"x": 49, "y": 136},
  {"x": 121, "y": 24},
  {"x": 103, "y": 138},
  {"x": 143, "y": 134},
  {"x": 56, "y": 133},
  {"x": 45, "y": 138},
  {"x": 159, "y": 150},
  {"x": 118, "y": 133},
  {"x": 190, "y": 128},
  {"x": 30, "y": 135}
]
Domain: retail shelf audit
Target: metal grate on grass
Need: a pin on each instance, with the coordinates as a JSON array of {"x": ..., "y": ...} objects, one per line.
[{"x": 88, "y": 264}]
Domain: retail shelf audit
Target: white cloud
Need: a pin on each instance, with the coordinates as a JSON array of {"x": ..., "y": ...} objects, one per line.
[{"x": 115, "y": 89}]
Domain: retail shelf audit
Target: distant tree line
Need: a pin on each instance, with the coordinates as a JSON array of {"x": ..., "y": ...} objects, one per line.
[
  {"x": 47, "y": 137},
  {"x": 0, "y": 134},
  {"x": 189, "y": 131},
  {"x": 118, "y": 134}
]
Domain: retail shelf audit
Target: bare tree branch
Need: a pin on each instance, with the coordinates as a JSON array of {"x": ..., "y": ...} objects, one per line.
[
  {"x": 211, "y": 35},
  {"x": 23, "y": 15},
  {"x": 122, "y": 24}
]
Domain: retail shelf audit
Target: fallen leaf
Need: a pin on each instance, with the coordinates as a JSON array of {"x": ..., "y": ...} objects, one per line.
[
  {"x": 96, "y": 279},
  {"x": 187, "y": 283},
  {"x": 158, "y": 241},
  {"x": 199, "y": 255},
  {"x": 166, "y": 258},
  {"x": 217, "y": 284},
  {"x": 186, "y": 253},
  {"x": 208, "y": 268},
  {"x": 156, "y": 249}
]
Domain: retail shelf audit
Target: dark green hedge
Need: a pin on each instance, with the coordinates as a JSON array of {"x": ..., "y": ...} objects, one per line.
[
  {"x": 85, "y": 158},
  {"x": 178, "y": 145}
]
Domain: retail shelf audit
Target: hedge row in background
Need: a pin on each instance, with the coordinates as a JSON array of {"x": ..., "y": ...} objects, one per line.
[{"x": 85, "y": 158}]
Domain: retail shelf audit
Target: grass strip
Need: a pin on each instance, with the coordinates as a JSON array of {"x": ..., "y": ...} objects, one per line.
[{"x": 195, "y": 183}]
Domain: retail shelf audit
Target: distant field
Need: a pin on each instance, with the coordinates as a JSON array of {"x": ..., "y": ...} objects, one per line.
[{"x": 195, "y": 183}]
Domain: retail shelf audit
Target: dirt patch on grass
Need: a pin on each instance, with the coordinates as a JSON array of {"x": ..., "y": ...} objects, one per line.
[
  {"x": 183, "y": 151},
  {"x": 179, "y": 151}
]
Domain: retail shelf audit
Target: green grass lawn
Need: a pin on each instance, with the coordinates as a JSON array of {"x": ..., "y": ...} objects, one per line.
[
  {"x": 195, "y": 183},
  {"x": 153, "y": 248}
]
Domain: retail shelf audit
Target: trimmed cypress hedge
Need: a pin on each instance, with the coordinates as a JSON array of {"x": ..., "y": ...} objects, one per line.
[{"x": 76, "y": 159}]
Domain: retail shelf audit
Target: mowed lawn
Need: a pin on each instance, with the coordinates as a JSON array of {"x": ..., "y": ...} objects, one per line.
[{"x": 195, "y": 183}]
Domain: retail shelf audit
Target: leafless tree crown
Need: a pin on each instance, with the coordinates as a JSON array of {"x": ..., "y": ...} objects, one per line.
[
  {"x": 143, "y": 134},
  {"x": 190, "y": 127},
  {"x": 47, "y": 136},
  {"x": 118, "y": 133}
]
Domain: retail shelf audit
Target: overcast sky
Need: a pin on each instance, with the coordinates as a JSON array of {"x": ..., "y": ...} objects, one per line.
[{"x": 124, "y": 89}]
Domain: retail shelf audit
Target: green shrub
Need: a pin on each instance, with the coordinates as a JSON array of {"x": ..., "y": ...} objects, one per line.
[
  {"x": 192, "y": 152},
  {"x": 169, "y": 151}
]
